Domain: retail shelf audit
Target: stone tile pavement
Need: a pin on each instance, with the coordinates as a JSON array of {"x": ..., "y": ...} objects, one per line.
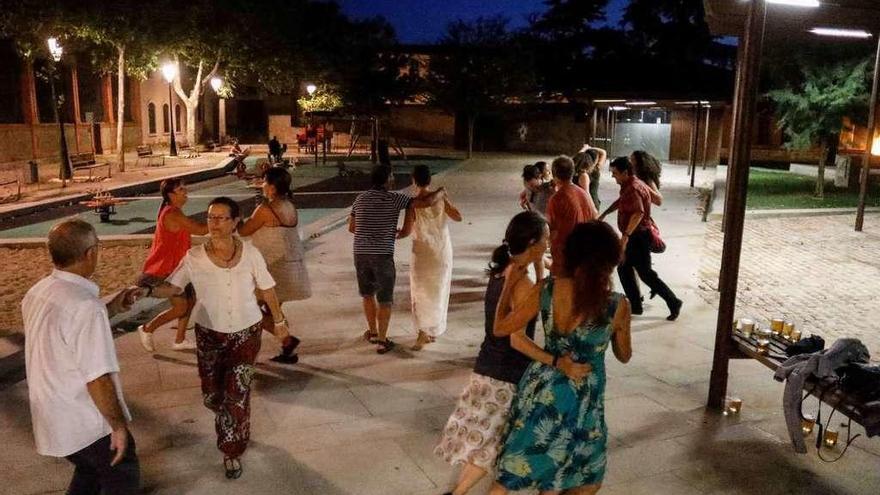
[
  {"x": 815, "y": 270},
  {"x": 348, "y": 421}
]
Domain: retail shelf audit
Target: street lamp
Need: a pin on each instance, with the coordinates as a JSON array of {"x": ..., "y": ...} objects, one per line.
[
  {"x": 311, "y": 88},
  {"x": 169, "y": 71},
  {"x": 56, "y": 51},
  {"x": 217, "y": 83}
]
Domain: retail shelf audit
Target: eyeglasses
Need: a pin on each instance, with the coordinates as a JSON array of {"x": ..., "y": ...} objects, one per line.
[{"x": 218, "y": 219}]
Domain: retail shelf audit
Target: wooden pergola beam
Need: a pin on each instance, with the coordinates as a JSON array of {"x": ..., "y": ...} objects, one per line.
[{"x": 872, "y": 128}]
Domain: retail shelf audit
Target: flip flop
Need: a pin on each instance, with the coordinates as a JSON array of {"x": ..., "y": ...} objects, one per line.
[
  {"x": 371, "y": 337},
  {"x": 233, "y": 467}
]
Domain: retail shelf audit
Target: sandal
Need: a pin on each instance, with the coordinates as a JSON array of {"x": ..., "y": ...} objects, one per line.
[
  {"x": 371, "y": 337},
  {"x": 385, "y": 346},
  {"x": 285, "y": 358},
  {"x": 233, "y": 467},
  {"x": 289, "y": 345}
]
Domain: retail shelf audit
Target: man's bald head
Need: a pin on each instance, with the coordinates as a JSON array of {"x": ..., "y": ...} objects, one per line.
[{"x": 69, "y": 241}]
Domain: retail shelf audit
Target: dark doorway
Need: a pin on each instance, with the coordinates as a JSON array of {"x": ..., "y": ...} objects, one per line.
[{"x": 252, "y": 121}]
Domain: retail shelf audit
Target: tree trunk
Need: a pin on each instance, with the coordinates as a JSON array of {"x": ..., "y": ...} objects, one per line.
[
  {"x": 829, "y": 152},
  {"x": 472, "y": 120},
  {"x": 120, "y": 110},
  {"x": 191, "y": 101}
]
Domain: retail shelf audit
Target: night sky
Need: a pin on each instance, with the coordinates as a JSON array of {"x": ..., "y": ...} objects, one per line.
[{"x": 424, "y": 21}]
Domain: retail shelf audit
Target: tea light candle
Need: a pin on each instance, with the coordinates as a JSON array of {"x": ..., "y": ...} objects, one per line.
[
  {"x": 776, "y": 324},
  {"x": 746, "y": 326},
  {"x": 807, "y": 424},
  {"x": 787, "y": 328},
  {"x": 830, "y": 438},
  {"x": 762, "y": 347},
  {"x": 795, "y": 335},
  {"x": 734, "y": 405}
]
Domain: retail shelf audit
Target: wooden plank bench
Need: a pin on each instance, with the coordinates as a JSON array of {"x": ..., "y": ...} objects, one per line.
[
  {"x": 86, "y": 161},
  {"x": 827, "y": 390},
  {"x": 185, "y": 150},
  {"x": 145, "y": 152}
]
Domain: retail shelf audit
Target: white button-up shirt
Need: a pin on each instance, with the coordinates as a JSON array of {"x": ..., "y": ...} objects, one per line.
[
  {"x": 68, "y": 343},
  {"x": 225, "y": 300}
]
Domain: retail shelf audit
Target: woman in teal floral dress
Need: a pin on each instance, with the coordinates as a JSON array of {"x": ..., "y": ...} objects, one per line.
[{"x": 557, "y": 440}]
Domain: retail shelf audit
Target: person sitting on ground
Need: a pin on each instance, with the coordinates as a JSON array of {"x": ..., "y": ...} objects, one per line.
[
  {"x": 373, "y": 221},
  {"x": 76, "y": 403},
  {"x": 536, "y": 192},
  {"x": 648, "y": 170}
]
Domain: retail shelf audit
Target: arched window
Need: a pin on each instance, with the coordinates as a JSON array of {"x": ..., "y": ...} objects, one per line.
[
  {"x": 177, "y": 126},
  {"x": 165, "y": 121},
  {"x": 151, "y": 117}
]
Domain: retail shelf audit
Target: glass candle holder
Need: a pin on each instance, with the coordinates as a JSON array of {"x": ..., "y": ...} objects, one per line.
[
  {"x": 746, "y": 327},
  {"x": 734, "y": 405},
  {"x": 776, "y": 325},
  {"x": 829, "y": 439},
  {"x": 763, "y": 346},
  {"x": 807, "y": 424},
  {"x": 795, "y": 336},
  {"x": 787, "y": 328}
]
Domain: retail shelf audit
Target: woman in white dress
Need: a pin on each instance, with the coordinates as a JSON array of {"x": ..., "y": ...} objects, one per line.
[
  {"x": 273, "y": 231},
  {"x": 431, "y": 271}
]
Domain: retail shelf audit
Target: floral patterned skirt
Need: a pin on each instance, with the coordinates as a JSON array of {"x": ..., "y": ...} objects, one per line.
[{"x": 477, "y": 427}]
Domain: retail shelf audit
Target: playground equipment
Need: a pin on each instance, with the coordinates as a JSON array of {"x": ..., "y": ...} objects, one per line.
[{"x": 104, "y": 204}]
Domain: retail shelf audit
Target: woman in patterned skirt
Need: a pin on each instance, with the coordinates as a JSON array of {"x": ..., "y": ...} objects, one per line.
[
  {"x": 228, "y": 275},
  {"x": 477, "y": 427},
  {"x": 557, "y": 440}
]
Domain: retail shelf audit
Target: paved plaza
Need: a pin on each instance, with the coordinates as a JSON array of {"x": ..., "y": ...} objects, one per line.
[{"x": 348, "y": 421}]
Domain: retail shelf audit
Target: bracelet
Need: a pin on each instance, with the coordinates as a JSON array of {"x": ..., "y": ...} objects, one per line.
[{"x": 555, "y": 360}]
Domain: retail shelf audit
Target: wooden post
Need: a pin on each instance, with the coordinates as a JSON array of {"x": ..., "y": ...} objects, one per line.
[
  {"x": 872, "y": 127},
  {"x": 74, "y": 92},
  {"x": 695, "y": 142},
  {"x": 736, "y": 191},
  {"x": 29, "y": 104},
  {"x": 706, "y": 137},
  {"x": 740, "y": 62}
]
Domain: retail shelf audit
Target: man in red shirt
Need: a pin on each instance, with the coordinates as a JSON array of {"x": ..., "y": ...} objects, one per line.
[
  {"x": 569, "y": 206},
  {"x": 633, "y": 220}
]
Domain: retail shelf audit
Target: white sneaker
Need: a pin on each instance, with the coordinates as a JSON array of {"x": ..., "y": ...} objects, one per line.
[
  {"x": 185, "y": 345},
  {"x": 146, "y": 339}
]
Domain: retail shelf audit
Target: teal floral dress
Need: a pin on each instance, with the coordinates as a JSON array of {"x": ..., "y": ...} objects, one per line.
[{"x": 558, "y": 436}]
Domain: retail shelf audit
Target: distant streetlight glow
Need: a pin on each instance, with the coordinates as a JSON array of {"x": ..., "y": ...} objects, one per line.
[
  {"x": 169, "y": 72},
  {"x": 55, "y": 49},
  {"x": 608, "y": 101},
  {"x": 619, "y": 109},
  {"x": 216, "y": 83},
  {"x": 841, "y": 33},
  {"x": 311, "y": 88},
  {"x": 641, "y": 103}
]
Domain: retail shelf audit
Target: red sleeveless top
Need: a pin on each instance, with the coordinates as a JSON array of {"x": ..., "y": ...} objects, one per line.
[{"x": 168, "y": 247}]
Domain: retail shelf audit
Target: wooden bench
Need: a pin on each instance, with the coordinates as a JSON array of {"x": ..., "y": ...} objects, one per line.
[
  {"x": 15, "y": 183},
  {"x": 145, "y": 152},
  {"x": 86, "y": 161},
  {"x": 827, "y": 390},
  {"x": 185, "y": 150},
  {"x": 211, "y": 146}
]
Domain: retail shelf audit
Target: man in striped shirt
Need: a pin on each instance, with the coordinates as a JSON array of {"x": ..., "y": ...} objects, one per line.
[{"x": 373, "y": 221}]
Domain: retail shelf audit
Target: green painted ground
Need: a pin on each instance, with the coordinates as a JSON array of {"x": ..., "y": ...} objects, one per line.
[{"x": 771, "y": 190}]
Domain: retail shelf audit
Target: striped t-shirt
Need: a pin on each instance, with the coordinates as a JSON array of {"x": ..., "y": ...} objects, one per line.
[{"x": 376, "y": 213}]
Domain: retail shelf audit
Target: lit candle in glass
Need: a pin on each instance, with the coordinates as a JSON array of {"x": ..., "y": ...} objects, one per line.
[
  {"x": 776, "y": 324},
  {"x": 830, "y": 438},
  {"x": 787, "y": 328},
  {"x": 746, "y": 326},
  {"x": 734, "y": 405},
  {"x": 795, "y": 335},
  {"x": 807, "y": 424}
]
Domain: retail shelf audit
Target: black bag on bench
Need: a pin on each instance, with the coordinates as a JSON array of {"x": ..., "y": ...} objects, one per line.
[{"x": 862, "y": 380}]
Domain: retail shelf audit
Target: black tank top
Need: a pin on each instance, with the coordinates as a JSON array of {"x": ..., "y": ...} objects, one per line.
[{"x": 497, "y": 359}]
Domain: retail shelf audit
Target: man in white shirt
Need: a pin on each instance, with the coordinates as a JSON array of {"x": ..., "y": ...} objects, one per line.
[{"x": 77, "y": 409}]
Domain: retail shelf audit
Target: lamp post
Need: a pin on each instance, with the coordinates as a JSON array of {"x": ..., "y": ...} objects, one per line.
[
  {"x": 311, "y": 88},
  {"x": 169, "y": 71},
  {"x": 56, "y": 51},
  {"x": 217, "y": 83}
]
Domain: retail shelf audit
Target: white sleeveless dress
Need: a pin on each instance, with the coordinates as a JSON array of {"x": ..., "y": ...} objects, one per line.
[{"x": 431, "y": 272}]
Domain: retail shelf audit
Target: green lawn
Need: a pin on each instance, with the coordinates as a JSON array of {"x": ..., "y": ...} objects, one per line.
[{"x": 770, "y": 189}]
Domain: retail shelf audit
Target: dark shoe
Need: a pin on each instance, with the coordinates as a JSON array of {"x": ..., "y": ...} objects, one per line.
[
  {"x": 636, "y": 311},
  {"x": 233, "y": 467},
  {"x": 285, "y": 358},
  {"x": 289, "y": 345},
  {"x": 385, "y": 346},
  {"x": 674, "y": 309}
]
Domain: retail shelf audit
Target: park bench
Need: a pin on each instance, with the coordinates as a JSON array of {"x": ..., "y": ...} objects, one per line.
[
  {"x": 211, "y": 146},
  {"x": 86, "y": 161},
  {"x": 13, "y": 185},
  {"x": 185, "y": 150},
  {"x": 145, "y": 152},
  {"x": 826, "y": 390}
]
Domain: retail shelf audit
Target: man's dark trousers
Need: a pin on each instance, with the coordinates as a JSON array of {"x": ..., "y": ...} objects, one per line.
[
  {"x": 638, "y": 260},
  {"x": 94, "y": 475}
]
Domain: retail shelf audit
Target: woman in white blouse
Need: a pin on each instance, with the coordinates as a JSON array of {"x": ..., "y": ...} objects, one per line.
[{"x": 228, "y": 275}]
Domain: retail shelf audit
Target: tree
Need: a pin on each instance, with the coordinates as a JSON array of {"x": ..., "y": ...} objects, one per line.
[
  {"x": 812, "y": 110},
  {"x": 324, "y": 99},
  {"x": 478, "y": 67}
]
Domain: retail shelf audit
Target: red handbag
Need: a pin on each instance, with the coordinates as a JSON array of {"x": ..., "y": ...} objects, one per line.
[{"x": 657, "y": 244}]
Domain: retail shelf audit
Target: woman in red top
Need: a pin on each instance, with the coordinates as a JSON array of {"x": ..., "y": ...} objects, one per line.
[{"x": 170, "y": 243}]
